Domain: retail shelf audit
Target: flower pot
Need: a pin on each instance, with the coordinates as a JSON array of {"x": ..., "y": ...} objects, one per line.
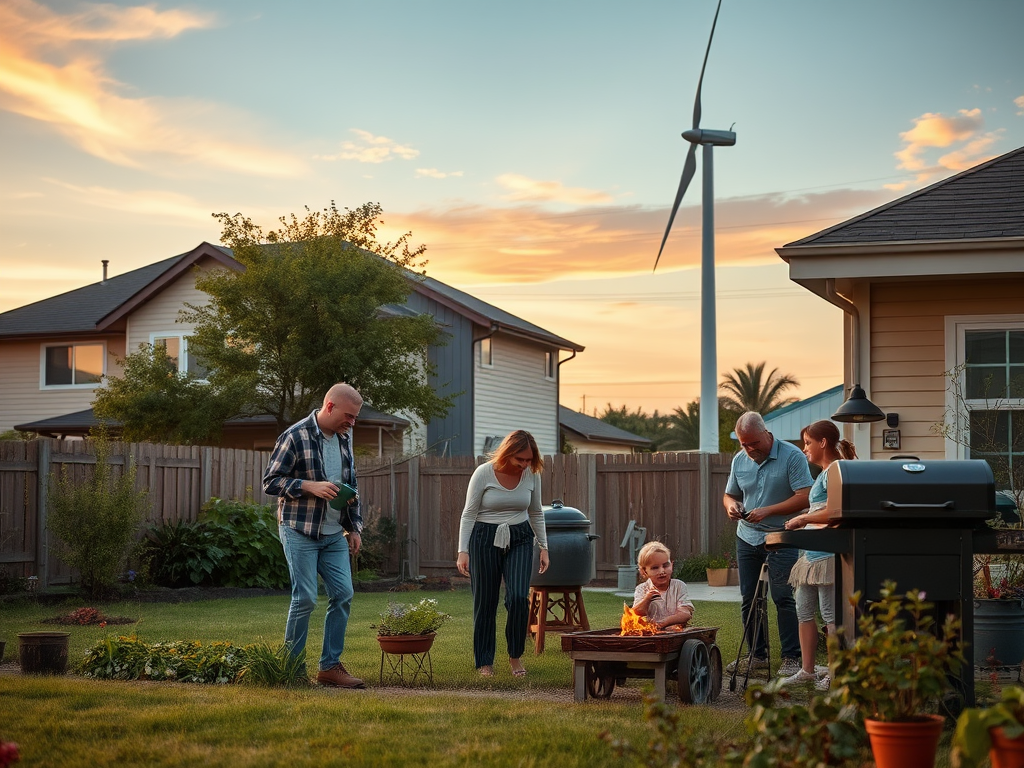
[
  {"x": 1006, "y": 753},
  {"x": 998, "y": 633},
  {"x": 43, "y": 653},
  {"x": 405, "y": 644},
  {"x": 905, "y": 744},
  {"x": 718, "y": 577},
  {"x": 734, "y": 578}
]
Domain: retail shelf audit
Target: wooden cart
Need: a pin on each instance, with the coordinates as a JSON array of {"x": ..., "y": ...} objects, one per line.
[{"x": 603, "y": 657}]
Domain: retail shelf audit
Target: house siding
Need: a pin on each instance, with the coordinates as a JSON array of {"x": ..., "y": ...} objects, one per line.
[
  {"x": 584, "y": 447},
  {"x": 24, "y": 400},
  {"x": 453, "y": 373},
  {"x": 515, "y": 395},
  {"x": 160, "y": 315},
  {"x": 908, "y": 352}
]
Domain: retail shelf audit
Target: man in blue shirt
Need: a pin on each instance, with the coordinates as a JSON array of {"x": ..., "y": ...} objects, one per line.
[{"x": 768, "y": 484}]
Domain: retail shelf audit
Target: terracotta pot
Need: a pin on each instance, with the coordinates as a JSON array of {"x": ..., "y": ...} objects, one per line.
[
  {"x": 905, "y": 744},
  {"x": 734, "y": 577},
  {"x": 718, "y": 577},
  {"x": 1005, "y": 753},
  {"x": 405, "y": 644}
]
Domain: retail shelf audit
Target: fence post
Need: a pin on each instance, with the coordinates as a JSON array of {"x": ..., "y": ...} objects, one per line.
[
  {"x": 588, "y": 467},
  {"x": 206, "y": 475},
  {"x": 705, "y": 501},
  {"x": 412, "y": 550},
  {"x": 42, "y": 532}
]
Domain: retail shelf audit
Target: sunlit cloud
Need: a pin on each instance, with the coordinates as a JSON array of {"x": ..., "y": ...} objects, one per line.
[
  {"x": 143, "y": 202},
  {"x": 525, "y": 189},
  {"x": 433, "y": 173},
  {"x": 935, "y": 131},
  {"x": 533, "y": 245},
  {"x": 1019, "y": 101},
  {"x": 371, "y": 149},
  {"x": 52, "y": 71}
]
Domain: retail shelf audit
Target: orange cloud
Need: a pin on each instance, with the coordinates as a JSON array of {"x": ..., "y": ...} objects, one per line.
[
  {"x": 937, "y": 131},
  {"x": 50, "y": 71},
  {"x": 433, "y": 173},
  {"x": 525, "y": 189},
  {"x": 477, "y": 244}
]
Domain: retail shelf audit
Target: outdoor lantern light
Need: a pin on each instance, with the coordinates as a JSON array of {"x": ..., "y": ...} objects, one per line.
[{"x": 858, "y": 409}]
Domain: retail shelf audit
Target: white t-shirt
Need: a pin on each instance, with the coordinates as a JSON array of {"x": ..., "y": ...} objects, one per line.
[{"x": 672, "y": 599}]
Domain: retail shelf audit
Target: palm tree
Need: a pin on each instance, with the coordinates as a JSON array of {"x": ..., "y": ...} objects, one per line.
[{"x": 746, "y": 391}]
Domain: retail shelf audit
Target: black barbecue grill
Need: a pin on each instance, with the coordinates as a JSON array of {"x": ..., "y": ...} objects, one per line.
[{"x": 918, "y": 523}]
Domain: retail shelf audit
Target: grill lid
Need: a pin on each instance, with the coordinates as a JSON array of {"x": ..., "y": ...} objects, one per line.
[
  {"x": 560, "y": 516},
  {"x": 911, "y": 491}
]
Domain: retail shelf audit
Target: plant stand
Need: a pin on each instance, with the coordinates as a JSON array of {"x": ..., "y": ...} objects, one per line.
[
  {"x": 405, "y": 668},
  {"x": 558, "y": 614}
]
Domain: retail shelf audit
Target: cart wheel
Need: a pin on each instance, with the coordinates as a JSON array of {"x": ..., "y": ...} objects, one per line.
[
  {"x": 599, "y": 684},
  {"x": 716, "y": 671},
  {"x": 694, "y": 673}
]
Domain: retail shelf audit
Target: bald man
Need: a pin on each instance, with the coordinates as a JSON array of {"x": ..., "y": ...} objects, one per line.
[{"x": 310, "y": 462}]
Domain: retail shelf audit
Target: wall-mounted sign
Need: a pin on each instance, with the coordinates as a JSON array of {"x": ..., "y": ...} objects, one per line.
[{"x": 891, "y": 439}]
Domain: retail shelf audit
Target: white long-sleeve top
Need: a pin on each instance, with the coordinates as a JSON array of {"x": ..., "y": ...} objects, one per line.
[{"x": 488, "y": 501}]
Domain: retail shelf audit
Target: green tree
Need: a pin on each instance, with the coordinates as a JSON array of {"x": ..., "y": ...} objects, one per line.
[
  {"x": 652, "y": 427},
  {"x": 310, "y": 308},
  {"x": 684, "y": 429},
  {"x": 751, "y": 390}
]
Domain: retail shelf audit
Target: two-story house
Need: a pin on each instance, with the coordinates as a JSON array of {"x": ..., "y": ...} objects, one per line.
[{"x": 55, "y": 353}]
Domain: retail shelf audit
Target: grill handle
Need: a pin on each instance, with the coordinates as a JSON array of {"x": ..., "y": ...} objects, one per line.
[{"x": 897, "y": 505}]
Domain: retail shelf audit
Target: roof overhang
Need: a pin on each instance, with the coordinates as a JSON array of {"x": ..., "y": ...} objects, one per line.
[{"x": 812, "y": 265}]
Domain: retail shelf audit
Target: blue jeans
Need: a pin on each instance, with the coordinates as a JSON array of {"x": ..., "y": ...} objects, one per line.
[
  {"x": 307, "y": 557},
  {"x": 780, "y": 562}
]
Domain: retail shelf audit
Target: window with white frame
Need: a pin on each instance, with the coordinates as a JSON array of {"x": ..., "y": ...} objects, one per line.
[
  {"x": 550, "y": 365},
  {"x": 990, "y": 370},
  {"x": 72, "y": 365},
  {"x": 176, "y": 347},
  {"x": 486, "y": 353}
]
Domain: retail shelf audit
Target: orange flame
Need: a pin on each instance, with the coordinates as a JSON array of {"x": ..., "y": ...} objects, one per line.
[{"x": 635, "y": 624}]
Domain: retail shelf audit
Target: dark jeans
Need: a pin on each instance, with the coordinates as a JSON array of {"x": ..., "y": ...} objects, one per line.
[{"x": 780, "y": 562}]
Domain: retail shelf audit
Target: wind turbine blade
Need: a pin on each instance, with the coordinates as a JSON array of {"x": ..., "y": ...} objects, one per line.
[
  {"x": 700, "y": 82},
  {"x": 689, "y": 168}
]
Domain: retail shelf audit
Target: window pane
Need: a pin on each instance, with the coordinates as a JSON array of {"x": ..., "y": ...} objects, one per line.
[
  {"x": 985, "y": 347},
  {"x": 88, "y": 363},
  {"x": 172, "y": 345},
  {"x": 1017, "y": 381},
  {"x": 195, "y": 365},
  {"x": 986, "y": 382},
  {"x": 990, "y": 432},
  {"x": 1017, "y": 346},
  {"x": 58, "y": 366}
]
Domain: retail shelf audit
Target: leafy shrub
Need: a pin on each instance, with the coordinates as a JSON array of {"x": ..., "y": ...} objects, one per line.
[
  {"x": 95, "y": 521},
  {"x": 11, "y": 584},
  {"x": 248, "y": 534},
  {"x": 181, "y": 554},
  {"x": 694, "y": 568},
  {"x": 671, "y": 741},
  {"x": 234, "y": 544},
  {"x": 379, "y": 537},
  {"x": 420, "y": 618}
]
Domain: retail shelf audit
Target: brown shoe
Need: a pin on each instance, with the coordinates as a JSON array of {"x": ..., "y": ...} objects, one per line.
[{"x": 339, "y": 677}]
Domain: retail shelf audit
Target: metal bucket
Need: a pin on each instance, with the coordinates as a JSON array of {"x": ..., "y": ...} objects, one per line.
[
  {"x": 43, "y": 653},
  {"x": 998, "y": 633}
]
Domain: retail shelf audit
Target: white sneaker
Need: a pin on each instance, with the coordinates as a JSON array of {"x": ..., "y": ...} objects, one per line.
[
  {"x": 823, "y": 683},
  {"x": 820, "y": 670},
  {"x": 790, "y": 667},
  {"x": 800, "y": 677}
]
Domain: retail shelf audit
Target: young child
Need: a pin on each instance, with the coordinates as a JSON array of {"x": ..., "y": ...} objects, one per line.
[{"x": 661, "y": 598}]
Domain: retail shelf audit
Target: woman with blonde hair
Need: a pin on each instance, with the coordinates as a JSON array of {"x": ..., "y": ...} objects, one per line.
[
  {"x": 813, "y": 575},
  {"x": 501, "y": 517}
]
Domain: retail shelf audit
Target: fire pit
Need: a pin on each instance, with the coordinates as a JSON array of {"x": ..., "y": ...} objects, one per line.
[{"x": 602, "y": 657}]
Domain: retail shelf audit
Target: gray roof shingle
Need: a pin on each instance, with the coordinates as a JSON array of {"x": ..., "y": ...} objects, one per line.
[
  {"x": 595, "y": 429},
  {"x": 983, "y": 202}
]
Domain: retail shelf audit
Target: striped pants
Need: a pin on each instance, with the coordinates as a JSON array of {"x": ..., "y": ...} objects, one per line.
[{"x": 488, "y": 565}]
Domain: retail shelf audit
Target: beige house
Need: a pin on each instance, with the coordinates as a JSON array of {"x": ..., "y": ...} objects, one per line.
[
  {"x": 503, "y": 371},
  {"x": 931, "y": 283}
]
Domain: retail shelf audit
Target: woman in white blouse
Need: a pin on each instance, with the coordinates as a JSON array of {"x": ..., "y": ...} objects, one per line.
[{"x": 502, "y": 515}]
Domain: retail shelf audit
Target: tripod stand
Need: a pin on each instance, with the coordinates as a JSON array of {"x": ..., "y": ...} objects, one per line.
[{"x": 756, "y": 623}]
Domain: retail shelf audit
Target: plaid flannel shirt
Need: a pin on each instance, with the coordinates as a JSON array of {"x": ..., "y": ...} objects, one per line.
[{"x": 299, "y": 455}]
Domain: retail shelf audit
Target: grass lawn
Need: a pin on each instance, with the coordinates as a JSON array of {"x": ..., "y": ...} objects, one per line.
[{"x": 462, "y": 719}]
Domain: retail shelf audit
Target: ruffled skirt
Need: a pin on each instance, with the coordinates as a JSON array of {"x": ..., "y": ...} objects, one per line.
[{"x": 813, "y": 573}]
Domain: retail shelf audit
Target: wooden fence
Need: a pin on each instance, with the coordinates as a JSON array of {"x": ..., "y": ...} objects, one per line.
[{"x": 675, "y": 496}]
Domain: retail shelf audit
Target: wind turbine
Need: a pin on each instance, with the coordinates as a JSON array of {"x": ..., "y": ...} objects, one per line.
[{"x": 708, "y": 140}]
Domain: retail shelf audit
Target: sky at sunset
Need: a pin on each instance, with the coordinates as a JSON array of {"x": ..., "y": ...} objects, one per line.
[{"x": 532, "y": 146}]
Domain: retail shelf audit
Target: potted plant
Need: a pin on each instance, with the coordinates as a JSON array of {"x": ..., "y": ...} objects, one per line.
[
  {"x": 895, "y": 671},
  {"x": 718, "y": 569},
  {"x": 410, "y": 627},
  {"x": 996, "y": 731},
  {"x": 998, "y": 611}
]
